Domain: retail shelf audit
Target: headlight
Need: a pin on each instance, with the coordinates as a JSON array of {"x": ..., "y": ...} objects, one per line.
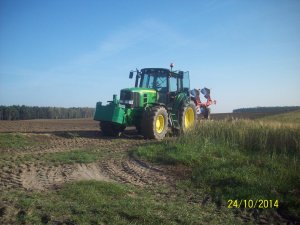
[{"x": 130, "y": 102}]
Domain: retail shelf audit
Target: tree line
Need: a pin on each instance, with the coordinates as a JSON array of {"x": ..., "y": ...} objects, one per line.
[
  {"x": 23, "y": 112},
  {"x": 275, "y": 109}
]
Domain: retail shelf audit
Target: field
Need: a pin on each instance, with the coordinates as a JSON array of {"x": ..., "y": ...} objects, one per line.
[{"x": 66, "y": 172}]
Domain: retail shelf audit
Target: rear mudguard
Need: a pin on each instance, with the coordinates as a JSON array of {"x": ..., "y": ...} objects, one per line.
[{"x": 181, "y": 99}]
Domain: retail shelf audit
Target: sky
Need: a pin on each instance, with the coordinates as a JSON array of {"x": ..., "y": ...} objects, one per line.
[{"x": 73, "y": 53}]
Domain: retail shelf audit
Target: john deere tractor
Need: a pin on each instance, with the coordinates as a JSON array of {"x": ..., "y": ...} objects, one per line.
[{"x": 159, "y": 102}]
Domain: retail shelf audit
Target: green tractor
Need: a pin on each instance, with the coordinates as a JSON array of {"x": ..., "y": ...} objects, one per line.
[{"x": 159, "y": 101}]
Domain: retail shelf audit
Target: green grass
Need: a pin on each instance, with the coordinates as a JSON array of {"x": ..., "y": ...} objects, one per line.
[
  {"x": 290, "y": 117},
  {"x": 76, "y": 156},
  {"x": 238, "y": 160},
  {"x": 92, "y": 202},
  {"x": 83, "y": 155},
  {"x": 15, "y": 141}
]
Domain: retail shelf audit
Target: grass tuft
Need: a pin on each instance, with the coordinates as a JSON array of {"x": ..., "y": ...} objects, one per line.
[
  {"x": 76, "y": 156},
  {"x": 15, "y": 141}
]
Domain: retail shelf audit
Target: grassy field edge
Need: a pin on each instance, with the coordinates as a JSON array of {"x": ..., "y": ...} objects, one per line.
[{"x": 236, "y": 160}]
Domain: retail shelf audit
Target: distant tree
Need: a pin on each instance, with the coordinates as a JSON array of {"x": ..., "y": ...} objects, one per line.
[
  {"x": 23, "y": 112},
  {"x": 266, "y": 109}
]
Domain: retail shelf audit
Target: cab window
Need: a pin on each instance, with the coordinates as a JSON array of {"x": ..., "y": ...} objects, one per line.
[{"x": 173, "y": 84}]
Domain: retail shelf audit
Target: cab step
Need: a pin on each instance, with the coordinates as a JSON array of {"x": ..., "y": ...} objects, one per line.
[{"x": 174, "y": 121}]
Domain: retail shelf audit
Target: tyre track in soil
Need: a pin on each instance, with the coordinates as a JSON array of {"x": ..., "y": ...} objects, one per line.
[
  {"x": 136, "y": 172},
  {"x": 52, "y": 144},
  {"x": 42, "y": 178},
  {"x": 38, "y": 176}
]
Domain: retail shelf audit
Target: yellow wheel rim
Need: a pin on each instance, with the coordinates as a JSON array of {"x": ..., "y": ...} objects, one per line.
[
  {"x": 189, "y": 118},
  {"x": 160, "y": 123}
]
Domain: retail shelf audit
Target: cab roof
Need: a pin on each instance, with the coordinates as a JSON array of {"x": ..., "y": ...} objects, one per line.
[{"x": 163, "y": 70}]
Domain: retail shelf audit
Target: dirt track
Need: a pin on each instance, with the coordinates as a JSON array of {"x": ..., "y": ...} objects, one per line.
[{"x": 55, "y": 136}]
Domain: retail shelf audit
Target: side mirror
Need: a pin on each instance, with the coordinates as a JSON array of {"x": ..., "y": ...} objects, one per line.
[{"x": 131, "y": 75}]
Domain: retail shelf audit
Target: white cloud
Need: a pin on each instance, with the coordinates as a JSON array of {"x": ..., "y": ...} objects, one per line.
[{"x": 140, "y": 35}]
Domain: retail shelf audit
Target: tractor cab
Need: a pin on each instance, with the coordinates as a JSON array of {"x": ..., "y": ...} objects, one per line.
[{"x": 166, "y": 82}]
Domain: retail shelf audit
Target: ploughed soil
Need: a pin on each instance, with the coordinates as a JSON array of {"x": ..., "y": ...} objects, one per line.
[{"x": 41, "y": 125}]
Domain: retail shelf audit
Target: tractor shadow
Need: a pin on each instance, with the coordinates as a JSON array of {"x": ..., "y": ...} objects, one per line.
[{"x": 129, "y": 133}]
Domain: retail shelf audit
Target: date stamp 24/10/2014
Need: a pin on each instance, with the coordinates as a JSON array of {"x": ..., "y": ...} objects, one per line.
[{"x": 252, "y": 204}]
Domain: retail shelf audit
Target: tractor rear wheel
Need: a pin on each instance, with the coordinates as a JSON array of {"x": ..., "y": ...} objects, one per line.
[
  {"x": 111, "y": 129},
  {"x": 188, "y": 117},
  {"x": 155, "y": 123}
]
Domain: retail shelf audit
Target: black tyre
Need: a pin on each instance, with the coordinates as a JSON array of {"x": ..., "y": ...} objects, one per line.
[
  {"x": 111, "y": 129},
  {"x": 155, "y": 123},
  {"x": 206, "y": 113},
  {"x": 188, "y": 117},
  {"x": 139, "y": 129}
]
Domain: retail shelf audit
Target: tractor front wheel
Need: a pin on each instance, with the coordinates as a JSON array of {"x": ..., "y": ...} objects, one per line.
[
  {"x": 188, "y": 117},
  {"x": 155, "y": 123},
  {"x": 111, "y": 129}
]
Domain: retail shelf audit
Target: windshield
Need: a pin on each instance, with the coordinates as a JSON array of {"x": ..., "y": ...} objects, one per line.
[{"x": 155, "y": 80}]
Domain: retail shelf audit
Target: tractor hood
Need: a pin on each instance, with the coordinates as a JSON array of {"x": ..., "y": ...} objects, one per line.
[
  {"x": 138, "y": 97},
  {"x": 141, "y": 90}
]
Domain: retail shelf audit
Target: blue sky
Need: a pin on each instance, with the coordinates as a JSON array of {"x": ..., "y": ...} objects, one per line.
[{"x": 74, "y": 53}]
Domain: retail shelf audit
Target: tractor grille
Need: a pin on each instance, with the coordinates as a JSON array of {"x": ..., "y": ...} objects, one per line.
[
  {"x": 130, "y": 98},
  {"x": 136, "y": 99},
  {"x": 125, "y": 95}
]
